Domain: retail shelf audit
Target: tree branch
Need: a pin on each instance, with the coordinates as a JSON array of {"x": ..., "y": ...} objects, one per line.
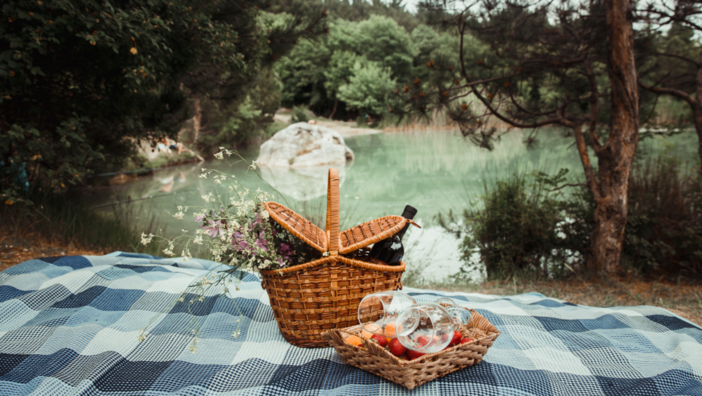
[
  {"x": 670, "y": 91},
  {"x": 683, "y": 58},
  {"x": 587, "y": 166},
  {"x": 567, "y": 185}
]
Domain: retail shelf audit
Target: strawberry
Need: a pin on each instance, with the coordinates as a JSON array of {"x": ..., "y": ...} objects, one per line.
[
  {"x": 456, "y": 338},
  {"x": 396, "y": 348},
  {"x": 422, "y": 340},
  {"x": 411, "y": 355},
  {"x": 465, "y": 340},
  {"x": 382, "y": 341}
]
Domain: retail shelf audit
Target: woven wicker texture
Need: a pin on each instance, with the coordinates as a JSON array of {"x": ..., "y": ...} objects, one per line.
[
  {"x": 410, "y": 374},
  {"x": 298, "y": 226},
  {"x": 324, "y": 294}
]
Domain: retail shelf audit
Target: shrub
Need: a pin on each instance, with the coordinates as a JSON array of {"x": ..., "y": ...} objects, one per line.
[
  {"x": 526, "y": 230},
  {"x": 519, "y": 231},
  {"x": 299, "y": 114},
  {"x": 664, "y": 226}
]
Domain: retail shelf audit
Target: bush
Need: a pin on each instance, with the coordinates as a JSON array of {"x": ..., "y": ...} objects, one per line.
[
  {"x": 664, "y": 226},
  {"x": 299, "y": 114},
  {"x": 525, "y": 230},
  {"x": 520, "y": 231}
]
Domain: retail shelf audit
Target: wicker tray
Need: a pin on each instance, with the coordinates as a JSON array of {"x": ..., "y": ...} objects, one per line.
[
  {"x": 324, "y": 294},
  {"x": 410, "y": 374}
]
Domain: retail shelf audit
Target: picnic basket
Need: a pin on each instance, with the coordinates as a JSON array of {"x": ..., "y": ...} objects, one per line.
[
  {"x": 411, "y": 373},
  {"x": 324, "y": 294}
]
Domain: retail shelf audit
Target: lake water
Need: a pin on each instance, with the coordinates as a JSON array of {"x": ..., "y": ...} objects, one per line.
[{"x": 433, "y": 171}]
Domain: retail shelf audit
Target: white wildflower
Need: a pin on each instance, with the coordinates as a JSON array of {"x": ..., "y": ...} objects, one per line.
[
  {"x": 203, "y": 176},
  {"x": 218, "y": 182},
  {"x": 146, "y": 239},
  {"x": 198, "y": 240},
  {"x": 178, "y": 215},
  {"x": 180, "y": 208},
  {"x": 219, "y": 156},
  {"x": 253, "y": 166}
]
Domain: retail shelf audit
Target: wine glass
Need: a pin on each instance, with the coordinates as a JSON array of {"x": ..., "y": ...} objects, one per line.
[
  {"x": 425, "y": 327},
  {"x": 460, "y": 317},
  {"x": 445, "y": 300},
  {"x": 378, "y": 312}
]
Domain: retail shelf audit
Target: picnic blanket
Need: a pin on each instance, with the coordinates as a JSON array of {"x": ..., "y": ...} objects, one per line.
[{"x": 69, "y": 325}]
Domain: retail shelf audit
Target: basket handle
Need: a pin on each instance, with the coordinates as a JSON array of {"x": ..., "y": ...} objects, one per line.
[{"x": 333, "y": 211}]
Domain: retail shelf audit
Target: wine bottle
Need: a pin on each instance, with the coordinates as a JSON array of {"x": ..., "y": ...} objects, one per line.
[{"x": 390, "y": 250}]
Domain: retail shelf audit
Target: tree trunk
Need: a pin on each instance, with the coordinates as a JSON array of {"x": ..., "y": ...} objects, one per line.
[
  {"x": 197, "y": 118},
  {"x": 697, "y": 108},
  {"x": 697, "y": 112},
  {"x": 331, "y": 116},
  {"x": 616, "y": 156}
]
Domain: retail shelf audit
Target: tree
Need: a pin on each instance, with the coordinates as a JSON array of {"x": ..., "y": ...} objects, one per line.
[
  {"x": 382, "y": 40},
  {"x": 368, "y": 88},
  {"x": 339, "y": 73},
  {"x": 82, "y": 80},
  {"x": 262, "y": 38},
  {"x": 357, "y": 11},
  {"x": 315, "y": 69},
  {"x": 677, "y": 70},
  {"x": 549, "y": 65}
]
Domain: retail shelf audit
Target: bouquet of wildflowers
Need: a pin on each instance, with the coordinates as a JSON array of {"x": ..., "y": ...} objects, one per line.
[{"x": 236, "y": 231}]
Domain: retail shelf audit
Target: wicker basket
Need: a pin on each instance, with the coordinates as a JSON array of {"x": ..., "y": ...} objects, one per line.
[
  {"x": 324, "y": 294},
  {"x": 410, "y": 374}
]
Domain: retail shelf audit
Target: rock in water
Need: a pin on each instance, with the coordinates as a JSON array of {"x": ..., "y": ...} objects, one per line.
[{"x": 302, "y": 145}]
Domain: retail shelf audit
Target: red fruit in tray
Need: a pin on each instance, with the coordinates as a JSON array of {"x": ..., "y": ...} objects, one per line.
[
  {"x": 411, "y": 355},
  {"x": 456, "y": 338},
  {"x": 382, "y": 341},
  {"x": 396, "y": 348},
  {"x": 465, "y": 340},
  {"x": 422, "y": 340}
]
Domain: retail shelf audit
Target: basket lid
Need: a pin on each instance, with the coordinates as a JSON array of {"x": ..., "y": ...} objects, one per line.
[
  {"x": 369, "y": 233},
  {"x": 298, "y": 226},
  {"x": 332, "y": 241},
  {"x": 352, "y": 239}
]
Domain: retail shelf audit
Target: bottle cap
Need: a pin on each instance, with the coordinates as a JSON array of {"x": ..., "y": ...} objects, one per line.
[{"x": 409, "y": 212}]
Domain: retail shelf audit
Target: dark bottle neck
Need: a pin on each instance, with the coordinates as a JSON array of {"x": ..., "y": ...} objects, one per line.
[
  {"x": 404, "y": 229},
  {"x": 408, "y": 213}
]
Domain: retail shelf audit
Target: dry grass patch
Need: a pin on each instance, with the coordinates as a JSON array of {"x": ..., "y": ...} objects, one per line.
[{"x": 680, "y": 298}]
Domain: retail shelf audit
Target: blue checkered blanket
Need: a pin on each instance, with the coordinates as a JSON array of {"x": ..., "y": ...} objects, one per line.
[{"x": 69, "y": 325}]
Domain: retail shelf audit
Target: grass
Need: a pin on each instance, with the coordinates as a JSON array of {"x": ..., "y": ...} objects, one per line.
[{"x": 63, "y": 225}]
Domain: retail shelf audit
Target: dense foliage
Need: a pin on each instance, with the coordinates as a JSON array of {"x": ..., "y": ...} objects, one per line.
[
  {"x": 81, "y": 80},
  {"x": 527, "y": 227},
  {"x": 354, "y": 70},
  {"x": 521, "y": 229}
]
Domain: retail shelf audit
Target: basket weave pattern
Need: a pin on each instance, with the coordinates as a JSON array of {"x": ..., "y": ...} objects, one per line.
[
  {"x": 410, "y": 374},
  {"x": 324, "y": 294}
]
